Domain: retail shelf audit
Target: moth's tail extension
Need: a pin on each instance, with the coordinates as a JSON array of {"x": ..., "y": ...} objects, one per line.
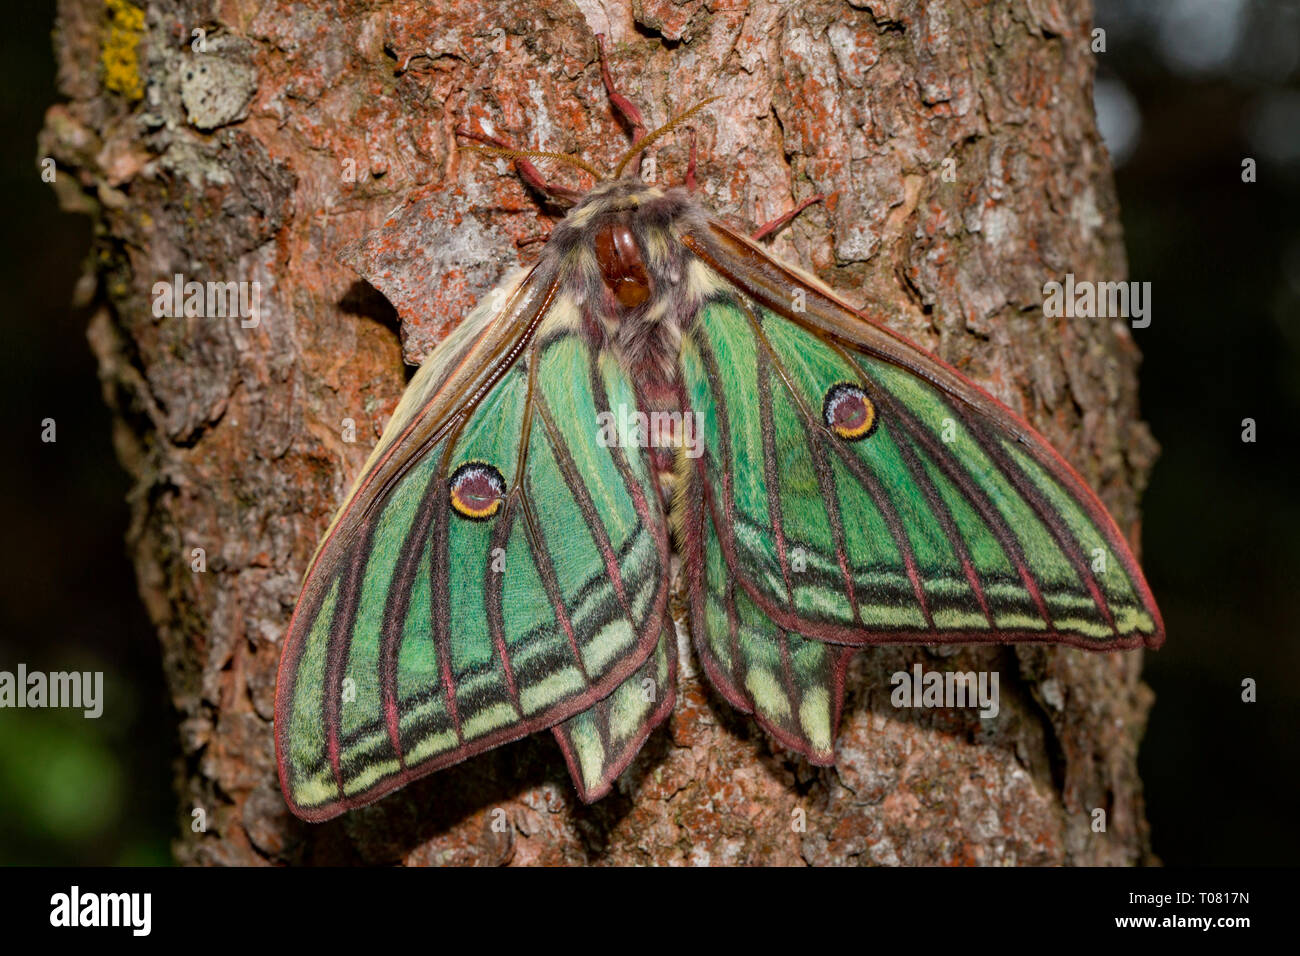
[{"x": 661, "y": 132}]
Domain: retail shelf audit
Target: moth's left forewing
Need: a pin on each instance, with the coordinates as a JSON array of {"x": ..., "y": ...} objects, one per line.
[
  {"x": 465, "y": 363},
  {"x": 495, "y": 570},
  {"x": 969, "y": 525}
]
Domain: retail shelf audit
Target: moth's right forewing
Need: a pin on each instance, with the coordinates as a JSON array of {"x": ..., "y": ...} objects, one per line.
[{"x": 911, "y": 534}]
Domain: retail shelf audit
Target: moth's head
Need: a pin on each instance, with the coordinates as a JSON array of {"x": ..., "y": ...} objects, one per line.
[
  {"x": 626, "y": 169},
  {"x": 615, "y": 245}
]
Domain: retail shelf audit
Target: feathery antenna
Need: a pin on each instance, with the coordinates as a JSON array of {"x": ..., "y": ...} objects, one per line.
[
  {"x": 538, "y": 154},
  {"x": 662, "y": 131}
]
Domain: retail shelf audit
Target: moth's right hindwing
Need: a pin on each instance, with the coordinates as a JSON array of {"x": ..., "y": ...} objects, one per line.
[{"x": 497, "y": 570}]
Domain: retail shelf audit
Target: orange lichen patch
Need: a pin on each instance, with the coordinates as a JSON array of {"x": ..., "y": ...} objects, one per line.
[
  {"x": 119, "y": 49},
  {"x": 668, "y": 17}
]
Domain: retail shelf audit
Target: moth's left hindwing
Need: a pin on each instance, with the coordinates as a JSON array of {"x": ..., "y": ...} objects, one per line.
[
  {"x": 599, "y": 742},
  {"x": 496, "y": 570}
]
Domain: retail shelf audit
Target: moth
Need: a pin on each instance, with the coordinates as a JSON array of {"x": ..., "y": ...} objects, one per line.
[{"x": 658, "y": 382}]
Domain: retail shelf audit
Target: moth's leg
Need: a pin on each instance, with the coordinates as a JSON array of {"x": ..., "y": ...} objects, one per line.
[
  {"x": 626, "y": 108},
  {"x": 530, "y": 240},
  {"x": 562, "y": 195},
  {"x": 779, "y": 222}
]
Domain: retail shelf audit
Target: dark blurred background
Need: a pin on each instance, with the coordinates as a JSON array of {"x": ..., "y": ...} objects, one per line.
[
  {"x": 1187, "y": 89},
  {"x": 72, "y": 790}
]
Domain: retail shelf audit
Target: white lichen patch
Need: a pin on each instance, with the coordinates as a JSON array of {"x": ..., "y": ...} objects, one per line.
[
  {"x": 216, "y": 91},
  {"x": 1085, "y": 214}
]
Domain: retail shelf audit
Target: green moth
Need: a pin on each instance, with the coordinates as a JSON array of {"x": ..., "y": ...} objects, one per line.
[{"x": 657, "y": 381}]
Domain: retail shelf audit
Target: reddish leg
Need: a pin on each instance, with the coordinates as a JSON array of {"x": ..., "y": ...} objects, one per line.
[
  {"x": 527, "y": 171},
  {"x": 781, "y": 221},
  {"x": 626, "y": 108}
]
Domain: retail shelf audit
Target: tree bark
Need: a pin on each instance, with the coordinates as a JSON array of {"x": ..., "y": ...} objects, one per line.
[{"x": 310, "y": 147}]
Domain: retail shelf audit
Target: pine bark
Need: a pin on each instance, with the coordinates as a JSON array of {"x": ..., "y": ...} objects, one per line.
[{"x": 311, "y": 147}]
